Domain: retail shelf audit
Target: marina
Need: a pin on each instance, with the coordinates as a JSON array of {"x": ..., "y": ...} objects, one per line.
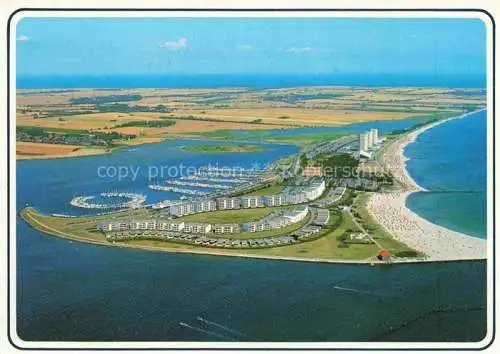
[
  {"x": 118, "y": 200},
  {"x": 210, "y": 179},
  {"x": 200, "y": 185},
  {"x": 229, "y": 171},
  {"x": 157, "y": 187}
]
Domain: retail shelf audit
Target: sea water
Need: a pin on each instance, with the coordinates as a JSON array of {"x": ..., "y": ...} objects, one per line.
[{"x": 449, "y": 160}]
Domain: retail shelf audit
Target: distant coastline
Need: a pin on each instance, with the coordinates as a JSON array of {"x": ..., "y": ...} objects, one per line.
[{"x": 243, "y": 81}]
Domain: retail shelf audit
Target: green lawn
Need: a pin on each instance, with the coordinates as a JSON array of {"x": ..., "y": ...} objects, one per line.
[
  {"x": 229, "y": 216},
  {"x": 274, "y": 189},
  {"x": 302, "y": 139},
  {"x": 305, "y": 139},
  {"x": 326, "y": 247}
]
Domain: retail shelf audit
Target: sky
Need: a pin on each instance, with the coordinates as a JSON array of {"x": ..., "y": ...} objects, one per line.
[{"x": 114, "y": 46}]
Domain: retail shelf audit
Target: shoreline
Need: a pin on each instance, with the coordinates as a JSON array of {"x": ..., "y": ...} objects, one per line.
[
  {"x": 168, "y": 138},
  {"x": 47, "y": 230},
  {"x": 189, "y": 136},
  {"x": 391, "y": 212}
]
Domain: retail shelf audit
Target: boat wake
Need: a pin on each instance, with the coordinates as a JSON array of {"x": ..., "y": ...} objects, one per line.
[
  {"x": 208, "y": 333},
  {"x": 366, "y": 292},
  {"x": 227, "y": 333},
  {"x": 225, "y": 328}
]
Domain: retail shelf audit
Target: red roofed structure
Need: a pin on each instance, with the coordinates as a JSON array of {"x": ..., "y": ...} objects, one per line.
[
  {"x": 384, "y": 255},
  {"x": 312, "y": 171}
]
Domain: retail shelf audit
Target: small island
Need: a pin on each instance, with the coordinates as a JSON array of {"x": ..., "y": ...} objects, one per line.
[{"x": 214, "y": 149}]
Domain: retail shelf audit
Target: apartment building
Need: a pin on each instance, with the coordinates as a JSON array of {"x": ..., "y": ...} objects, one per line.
[
  {"x": 197, "y": 228},
  {"x": 204, "y": 205},
  {"x": 228, "y": 203},
  {"x": 181, "y": 209},
  {"x": 274, "y": 200},
  {"x": 174, "y": 226},
  {"x": 252, "y": 202},
  {"x": 227, "y": 228}
]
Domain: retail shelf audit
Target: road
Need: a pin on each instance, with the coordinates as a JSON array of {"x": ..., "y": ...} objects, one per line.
[{"x": 363, "y": 229}]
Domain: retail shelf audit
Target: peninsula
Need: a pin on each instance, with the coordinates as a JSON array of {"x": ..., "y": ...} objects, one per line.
[{"x": 314, "y": 216}]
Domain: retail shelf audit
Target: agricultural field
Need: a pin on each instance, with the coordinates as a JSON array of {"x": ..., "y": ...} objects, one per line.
[
  {"x": 29, "y": 150},
  {"x": 139, "y": 116}
]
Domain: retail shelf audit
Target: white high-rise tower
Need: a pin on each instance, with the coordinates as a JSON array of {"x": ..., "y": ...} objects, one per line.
[
  {"x": 363, "y": 142},
  {"x": 375, "y": 136}
]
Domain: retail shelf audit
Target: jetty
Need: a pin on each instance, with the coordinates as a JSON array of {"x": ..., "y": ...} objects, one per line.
[
  {"x": 198, "y": 184},
  {"x": 157, "y": 187},
  {"x": 213, "y": 179}
]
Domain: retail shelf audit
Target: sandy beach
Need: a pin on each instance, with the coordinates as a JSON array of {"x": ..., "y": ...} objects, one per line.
[{"x": 389, "y": 209}]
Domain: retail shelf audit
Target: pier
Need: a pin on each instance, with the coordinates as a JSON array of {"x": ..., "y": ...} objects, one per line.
[
  {"x": 157, "y": 187},
  {"x": 198, "y": 184},
  {"x": 212, "y": 179}
]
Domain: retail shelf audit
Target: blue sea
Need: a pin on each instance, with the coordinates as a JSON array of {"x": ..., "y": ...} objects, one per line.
[
  {"x": 247, "y": 80},
  {"x": 450, "y": 162},
  {"x": 69, "y": 291}
]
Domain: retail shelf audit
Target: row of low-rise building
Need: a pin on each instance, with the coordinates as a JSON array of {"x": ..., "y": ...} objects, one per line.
[
  {"x": 307, "y": 232},
  {"x": 228, "y": 203},
  {"x": 303, "y": 194},
  {"x": 252, "y": 202},
  {"x": 191, "y": 207},
  {"x": 276, "y": 221},
  {"x": 291, "y": 195},
  {"x": 203, "y": 240},
  {"x": 321, "y": 216},
  {"x": 227, "y": 228},
  {"x": 358, "y": 183},
  {"x": 334, "y": 195}
]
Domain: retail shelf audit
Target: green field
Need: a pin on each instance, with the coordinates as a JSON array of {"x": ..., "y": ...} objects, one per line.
[
  {"x": 211, "y": 149},
  {"x": 325, "y": 247},
  {"x": 305, "y": 140},
  {"x": 302, "y": 139},
  {"x": 274, "y": 189},
  {"x": 229, "y": 216}
]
